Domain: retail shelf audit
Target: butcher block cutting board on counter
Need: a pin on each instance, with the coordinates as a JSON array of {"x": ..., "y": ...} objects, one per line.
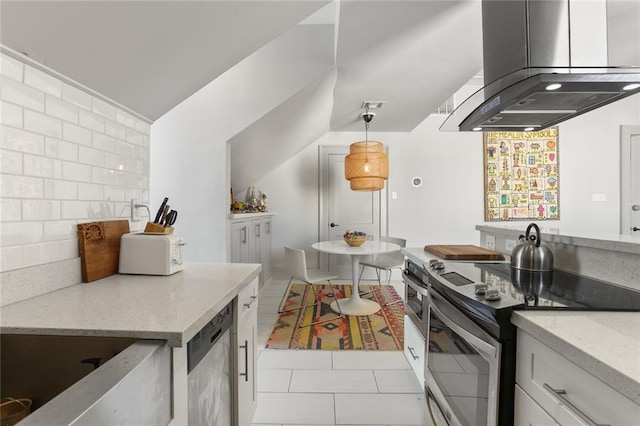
[
  {"x": 463, "y": 252},
  {"x": 99, "y": 246}
]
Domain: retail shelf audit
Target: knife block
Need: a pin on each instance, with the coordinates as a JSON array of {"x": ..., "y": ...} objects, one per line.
[{"x": 156, "y": 228}]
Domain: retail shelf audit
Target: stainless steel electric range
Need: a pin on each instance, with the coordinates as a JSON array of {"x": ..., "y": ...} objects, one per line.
[{"x": 470, "y": 341}]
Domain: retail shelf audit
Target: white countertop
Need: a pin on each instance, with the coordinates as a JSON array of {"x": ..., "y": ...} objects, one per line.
[
  {"x": 606, "y": 344},
  {"x": 172, "y": 308}
]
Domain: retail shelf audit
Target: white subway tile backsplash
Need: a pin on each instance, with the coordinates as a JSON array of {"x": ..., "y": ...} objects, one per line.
[
  {"x": 91, "y": 156},
  {"x": 67, "y": 157},
  {"x": 115, "y": 162},
  {"x": 104, "y": 109},
  {"x": 102, "y": 175},
  {"x": 116, "y": 193},
  {"x": 76, "y": 172},
  {"x": 61, "y": 109},
  {"x": 143, "y": 127},
  {"x": 40, "y": 80},
  {"x": 56, "y": 148},
  {"x": 17, "y": 233},
  {"x": 134, "y": 166},
  {"x": 17, "y": 93},
  {"x": 40, "y": 210},
  {"x": 125, "y": 149},
  {"x": 76, "y": 96},
  {"x": 134, "y": 137},
  {"x": 91, "y": 191},
  {"x": 125, "y": 118},
  {"x": 60, "y": 189},
  {"x": 11, "y": 115},
  {"x": 35, "y": 165},
  {"x": 10, "y": 210},
  {"x": 11, "y": 67},
  {"x": 103, "y": 210},
  {"x": 80, "y": 210},
  {"x": 42, "y": 124},
  {"x": 11, "y": 162},
  {"x": 60, "y": 230},
  {"x": 16, "y": 186},
  {"x": 77, "y": 134},
  {"x": 10, "y": 259},
  {"x": 92, "y": 121},
  {"x": 21, "y": 140},
  {"x": 104, "y": 142},
  {"x": 116, "y": 130}
]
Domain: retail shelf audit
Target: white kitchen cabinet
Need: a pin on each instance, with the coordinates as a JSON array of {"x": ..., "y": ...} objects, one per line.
[
  {"x": 414, "y": 348},
  {"x": 566, "y": 392},
  {"x": 528, "y": 412},
  {"x": 246, "y": 353},
  {"x": 251, "y": 243}
]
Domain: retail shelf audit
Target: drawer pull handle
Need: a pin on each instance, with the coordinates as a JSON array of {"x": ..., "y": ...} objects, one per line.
[
  {"x": 560, "y": 394},
  {"x": 413, "y": 354},
  {"x": 253, "y": 299},
  {"x": 246, "y": 360}
]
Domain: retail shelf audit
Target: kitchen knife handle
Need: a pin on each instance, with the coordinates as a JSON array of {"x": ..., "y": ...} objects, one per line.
[{"x": 161, "y": 210}]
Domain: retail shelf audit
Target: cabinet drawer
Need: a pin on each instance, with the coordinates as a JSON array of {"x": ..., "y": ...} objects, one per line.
[
  {"x": 528, "y": 412},
  {"x": 557, "y": 384},
  {"x": 248, "y": 298},
  {"x": 414, "y": 348}
]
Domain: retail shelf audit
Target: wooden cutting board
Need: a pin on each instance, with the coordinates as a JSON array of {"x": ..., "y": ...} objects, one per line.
[
  {"x": 99, "y": 246},
  {"x": 463, "y": 252}
]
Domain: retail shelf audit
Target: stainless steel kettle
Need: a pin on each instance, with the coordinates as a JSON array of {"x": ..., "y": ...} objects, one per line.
[{"x": 530, "y": 255}]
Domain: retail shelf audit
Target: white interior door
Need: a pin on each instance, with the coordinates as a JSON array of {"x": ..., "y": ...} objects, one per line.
[
  {"x": 342, "y": 208},
  {"x": 630, "y": 180}
]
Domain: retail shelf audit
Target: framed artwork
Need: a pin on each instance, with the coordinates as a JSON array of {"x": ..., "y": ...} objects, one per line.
[{"x": 521, "y": 175}]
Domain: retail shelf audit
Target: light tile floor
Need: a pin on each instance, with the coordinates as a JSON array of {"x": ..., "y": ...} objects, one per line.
[{"x": 306, "y": 387}]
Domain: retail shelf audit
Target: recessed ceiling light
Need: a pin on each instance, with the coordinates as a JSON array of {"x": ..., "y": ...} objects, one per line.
[
  {"x": 477, "y": 129},
  {"x": 528, "y": 129},
  {"x": 631, "y": 86},
  {"x": 554, "y": 86}
]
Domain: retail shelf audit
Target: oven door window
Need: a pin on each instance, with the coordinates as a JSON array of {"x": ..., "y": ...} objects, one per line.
[{"x": 462, "y": 374}]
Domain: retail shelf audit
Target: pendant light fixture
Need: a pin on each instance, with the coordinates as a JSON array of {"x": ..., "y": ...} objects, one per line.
[{"x": 367, "y": 166}]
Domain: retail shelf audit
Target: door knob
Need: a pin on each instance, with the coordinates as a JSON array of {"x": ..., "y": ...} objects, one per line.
[
  {"x": 333, "y": 225},
  {"x": 635, "y": 207},
  {"x": 635, "y": 228}
]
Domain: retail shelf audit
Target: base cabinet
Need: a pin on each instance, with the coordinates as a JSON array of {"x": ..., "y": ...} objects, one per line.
[
  {"x": 565, "y": 392},
  {"x": 251, "y": 243},
  {"x": 246, "y": 353},
  {"x": 414, "y": 348}
]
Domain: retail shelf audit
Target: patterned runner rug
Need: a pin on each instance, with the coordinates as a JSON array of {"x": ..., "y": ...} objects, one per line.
[{"x": 382, "y": 331}]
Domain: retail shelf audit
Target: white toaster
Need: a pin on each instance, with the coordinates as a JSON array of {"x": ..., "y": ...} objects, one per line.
[{"x": 148, "y": 254}]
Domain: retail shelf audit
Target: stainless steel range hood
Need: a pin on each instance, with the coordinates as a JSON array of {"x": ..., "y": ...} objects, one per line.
[{"x": 545, "y": 61}]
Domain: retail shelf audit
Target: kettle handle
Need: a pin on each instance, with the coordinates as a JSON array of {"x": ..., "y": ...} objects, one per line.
[{"x": 536, "y": 237}]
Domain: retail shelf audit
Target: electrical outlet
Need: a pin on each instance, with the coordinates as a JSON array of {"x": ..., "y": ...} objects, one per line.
[
  {"x": 135, "y": 214},
  {"x": 509, "y": 244},
  {"x": 491, "y": 242}
]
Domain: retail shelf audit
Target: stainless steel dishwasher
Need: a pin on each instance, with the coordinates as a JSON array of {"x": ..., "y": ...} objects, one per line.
[{"x": 209, "y": 372}]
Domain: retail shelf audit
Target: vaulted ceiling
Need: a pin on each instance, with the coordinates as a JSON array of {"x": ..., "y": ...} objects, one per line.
[{"x": 151, "y": 55}]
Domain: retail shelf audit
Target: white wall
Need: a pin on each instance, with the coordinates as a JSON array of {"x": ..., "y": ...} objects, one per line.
[
  {"x": 449, "y": 204},
  {"x": 69, "y": 156}
]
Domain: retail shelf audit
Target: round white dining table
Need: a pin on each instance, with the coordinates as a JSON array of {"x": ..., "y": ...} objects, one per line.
[{"x": 355, "y": 305}]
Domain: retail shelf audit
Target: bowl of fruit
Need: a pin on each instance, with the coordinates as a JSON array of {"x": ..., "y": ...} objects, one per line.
[{"x": 354, "y": 238}]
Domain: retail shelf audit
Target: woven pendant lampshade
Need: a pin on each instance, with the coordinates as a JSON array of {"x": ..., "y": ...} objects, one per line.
[{"x": 367, "y": 166}]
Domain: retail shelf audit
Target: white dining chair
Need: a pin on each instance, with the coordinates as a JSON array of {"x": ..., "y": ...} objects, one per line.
[
  {"x": 296, "y": 264},
  {"x": 384, "y": 261}
]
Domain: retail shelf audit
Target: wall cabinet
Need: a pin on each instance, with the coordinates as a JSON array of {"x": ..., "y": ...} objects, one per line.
[
  {"x": 563, "y": 391},
  {"x": 246, "y": 353},
  {"x": 251, "y": 243},
  {"x": 414, "y": 348}
]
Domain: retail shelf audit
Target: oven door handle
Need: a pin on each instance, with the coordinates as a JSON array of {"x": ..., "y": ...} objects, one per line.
[{"x": 482, "y": 346}]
